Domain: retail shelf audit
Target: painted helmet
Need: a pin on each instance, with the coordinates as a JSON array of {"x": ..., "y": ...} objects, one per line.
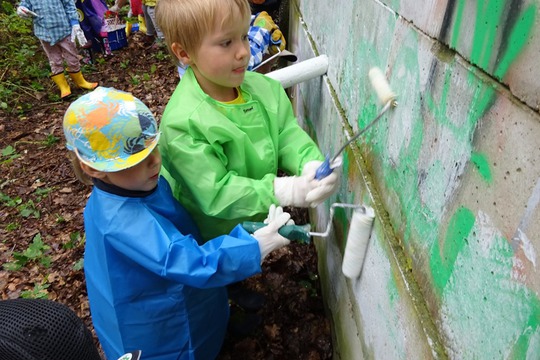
[{"x": 110, "y": 130}]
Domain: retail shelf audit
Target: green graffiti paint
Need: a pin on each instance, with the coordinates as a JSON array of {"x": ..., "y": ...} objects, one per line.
[
  {"x": 523, "y": 345},
  {"x": 442, "y": 262},
  {"x": 453, "y": 264},
  {"x": 457, "y": 24},
  {"x": 488, "y": 15},
  {"x": 392, "y": 291},
  {"x": 518, "y": 39},
  {"x": 439, "y": 109},
  {"x": 341, "y": 226},
  {"x": 483, "y": 98},
  {"x": 481, "y": 291},
  {"x": 480, "y": 161}
]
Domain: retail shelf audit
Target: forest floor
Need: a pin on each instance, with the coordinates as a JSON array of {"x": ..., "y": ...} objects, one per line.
[{"x": 41, "y": 206}]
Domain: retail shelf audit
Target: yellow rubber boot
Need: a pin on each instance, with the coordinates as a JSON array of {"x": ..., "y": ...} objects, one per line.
[
  {"x": 79, "y": 80},
  {"x": 62, "y": 84},
  {"x": 128, "y": 28},
  {"x": 142, "y": 24}
]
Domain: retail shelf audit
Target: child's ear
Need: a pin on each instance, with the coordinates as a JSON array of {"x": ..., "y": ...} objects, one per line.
[
  {"x": 181, "y": 54},
  {"x": 93, "y": 173}
]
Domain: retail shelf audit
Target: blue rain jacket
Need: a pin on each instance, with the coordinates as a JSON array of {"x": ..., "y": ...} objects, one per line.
[
  {"x": 151, "y": 286},
  {"x": 221, "y": 159}
]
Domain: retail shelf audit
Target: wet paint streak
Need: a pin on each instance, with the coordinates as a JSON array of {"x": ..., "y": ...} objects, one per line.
[
  {"x": 482, "y": 165},
  {"x": 442, "y": 263}
]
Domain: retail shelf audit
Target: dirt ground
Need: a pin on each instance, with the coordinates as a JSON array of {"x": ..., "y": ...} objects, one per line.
[{"x": 41, "y": 205}]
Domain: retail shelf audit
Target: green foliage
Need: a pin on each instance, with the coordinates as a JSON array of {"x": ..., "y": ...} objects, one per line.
[
  {"x": 79, "y": 265},
  {"x": 60, "y": 219},
  {"x": 36, "y": 253},
  {"x": 135, "y": 80},
  {"x": 51, "y": 140},
  {"x": 38, "y": 292},
  {"x": 42, "y": 193},
  {"x": 100, "y": 61},
  {"x": 8, "y": 154},
  {"x": 160, "y": 55},
  {"x": 8, "y": 201},
  {"x": 24, "y": 69},
  {"x": 28, "y": 209},
  {"x": 75, "y": 239},
  {"x": 12, "y": 226}
]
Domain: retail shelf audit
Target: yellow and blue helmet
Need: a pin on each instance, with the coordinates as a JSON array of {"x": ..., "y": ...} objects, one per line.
[{"x": 110, "y": 130}]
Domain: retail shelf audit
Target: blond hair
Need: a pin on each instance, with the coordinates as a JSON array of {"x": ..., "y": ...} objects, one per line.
[
  {"x": 76, "y": 165},
  {"x": 187, "y": 22}
]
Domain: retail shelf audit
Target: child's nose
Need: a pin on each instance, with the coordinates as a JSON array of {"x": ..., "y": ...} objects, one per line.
[
  {"x": 243, "y": 51},
  {"x": 154, "y": 158}
]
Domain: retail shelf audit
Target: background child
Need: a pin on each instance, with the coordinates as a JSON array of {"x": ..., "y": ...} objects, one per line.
[
  {"x": 153, "y": 32},
  {"x": 151, "y": 286},
  {"x": 56, "y": 25},
  {"x": 135, "y": 10},
  {"x": 226, "y": 132}
]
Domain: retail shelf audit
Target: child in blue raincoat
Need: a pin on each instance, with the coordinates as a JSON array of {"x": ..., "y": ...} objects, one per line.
[{"x": 151, "y": 285}]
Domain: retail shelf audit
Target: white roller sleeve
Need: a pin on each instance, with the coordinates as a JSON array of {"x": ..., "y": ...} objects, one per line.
[
  {"x": 300, "y": 72},
  {"x": 357, "y": 242},
  {"x": 381, "y": 86}
]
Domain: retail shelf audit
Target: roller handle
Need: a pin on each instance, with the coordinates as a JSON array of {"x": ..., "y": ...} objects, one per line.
[
  {"x": 324, "y": 169},
  {"x": 291, "y": 232}
]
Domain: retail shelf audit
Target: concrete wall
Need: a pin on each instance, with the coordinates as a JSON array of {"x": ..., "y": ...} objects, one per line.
[{"x": 453, "y": 173}]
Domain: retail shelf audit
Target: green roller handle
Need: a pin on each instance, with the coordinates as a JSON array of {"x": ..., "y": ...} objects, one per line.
[{"x": 298, "y": 233}]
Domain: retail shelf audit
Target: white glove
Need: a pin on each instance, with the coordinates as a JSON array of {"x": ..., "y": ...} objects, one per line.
[
  {"x": 25, "y": 12},
  {"x": 114, "y": 8},
  {"x": 324, "y": 187},
  {"x": 292, "y": 190},
  {"x": 78, "y": 33},
  {"x": 273, "y": 213},
  {"x": 268, "y": 236}
]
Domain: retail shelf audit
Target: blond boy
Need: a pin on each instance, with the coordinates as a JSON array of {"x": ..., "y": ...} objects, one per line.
[{"x": 226, "y": 131}]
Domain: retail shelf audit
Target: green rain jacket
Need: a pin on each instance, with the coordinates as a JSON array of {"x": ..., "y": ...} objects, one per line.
[{"x": 221, "y": 159}]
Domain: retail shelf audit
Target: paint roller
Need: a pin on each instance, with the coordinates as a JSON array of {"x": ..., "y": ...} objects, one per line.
[
  {"x": 363, "y": 216},
  {"x": 303, "y": 71},
  {"x": 357, "y": 239},
  {"x": 386, "y": 97}
]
